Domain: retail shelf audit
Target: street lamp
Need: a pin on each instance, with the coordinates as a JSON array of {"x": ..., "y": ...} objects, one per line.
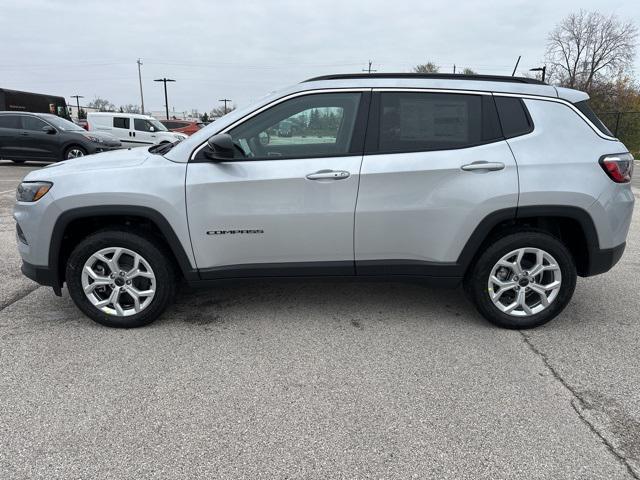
[
  {"x": 540, "y": 69},
  {"x": 166, "y": 102},
  {"x": 77, "y": 97}
]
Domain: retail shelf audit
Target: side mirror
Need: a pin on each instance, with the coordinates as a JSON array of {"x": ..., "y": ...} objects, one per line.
[
  {"x": 49, "y": 129},
  {"x": 152, "y": 129},
  {"x": 220, "y": 147}
]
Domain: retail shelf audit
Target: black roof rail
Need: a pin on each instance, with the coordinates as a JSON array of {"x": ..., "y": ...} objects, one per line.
[{"x": 434, "y": 76}]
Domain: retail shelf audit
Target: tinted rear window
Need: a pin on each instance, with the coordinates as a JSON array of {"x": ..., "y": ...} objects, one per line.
[
  {"x": 10, "y": 121},
  {"x": 593, "y": 118},
  {"x": 514, "y": 117},
  {"x": 121, "y": 122},
  {"x": 412, "y": 122}
]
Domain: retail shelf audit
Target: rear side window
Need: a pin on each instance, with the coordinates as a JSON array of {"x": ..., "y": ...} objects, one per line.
[
  {"x": 32, "y": 123},
  {"x": 121, "y": 122},
  {"x": 593, "y": 118},
  {"x": 514, "y": 117},
  {"x": 416, "y": 121},
  {"x": 10, "y": 121}
]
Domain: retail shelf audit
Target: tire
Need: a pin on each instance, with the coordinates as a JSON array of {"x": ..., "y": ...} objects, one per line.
[
  {"x": 152, "y": 263},
  {"x": 74, "y": 151},
  {"x": 487, "y": 278}
]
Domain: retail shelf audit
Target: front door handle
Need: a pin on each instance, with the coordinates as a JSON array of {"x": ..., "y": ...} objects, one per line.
[
  {"x": 328, "y": 175},
  {"x": 489, "y": 166}
]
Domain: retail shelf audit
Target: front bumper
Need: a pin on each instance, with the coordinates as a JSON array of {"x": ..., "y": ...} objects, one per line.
[{"x": 42, "y": 275}]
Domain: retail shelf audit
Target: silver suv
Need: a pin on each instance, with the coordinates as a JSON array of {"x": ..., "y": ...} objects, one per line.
[{"x": 507, "y": 185}]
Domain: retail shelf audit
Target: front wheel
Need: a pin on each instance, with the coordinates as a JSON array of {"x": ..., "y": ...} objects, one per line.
[
  {"x": 120, "y": 279},
  {"x": 523, "y": 280},
  {"x": 74, "y": 151}
]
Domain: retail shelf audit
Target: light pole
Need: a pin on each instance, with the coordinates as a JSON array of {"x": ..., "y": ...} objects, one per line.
[
  {"x": 139, "y": 62},
  {"x": 166, "y": 101},
  {"x": 77, "y": 97},
  {"x": 540, "y": 69}
]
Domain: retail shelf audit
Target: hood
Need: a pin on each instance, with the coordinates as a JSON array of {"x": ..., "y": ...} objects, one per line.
[{"x": 116, "y": 159}]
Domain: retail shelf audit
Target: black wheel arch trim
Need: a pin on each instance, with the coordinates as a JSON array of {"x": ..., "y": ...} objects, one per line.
[{"x": 55, "y": 245}]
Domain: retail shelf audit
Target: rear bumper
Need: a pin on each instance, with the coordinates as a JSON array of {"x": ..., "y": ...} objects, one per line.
[
  {"x": 42, "y": 275},
  {"x": 603, "y": 260}
]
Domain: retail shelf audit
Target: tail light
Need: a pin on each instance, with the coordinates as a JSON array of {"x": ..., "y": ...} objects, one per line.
[{"x": 618, "y": 167}]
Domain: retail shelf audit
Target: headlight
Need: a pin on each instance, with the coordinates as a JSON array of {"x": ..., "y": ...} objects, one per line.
[
  {"x": 32, "y": 191},
  {"x": 92, "y": 138}
]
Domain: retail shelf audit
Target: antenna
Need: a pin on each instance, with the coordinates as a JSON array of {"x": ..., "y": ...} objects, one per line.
[{"x": 514, "y": 68}]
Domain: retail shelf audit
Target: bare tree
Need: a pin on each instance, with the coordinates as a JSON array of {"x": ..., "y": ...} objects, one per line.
[
  {"x": 218, "y": 112},
  {"x": 468, "y": 71},
  {"x": 101, "y": 105},
  {"x": 428, "y": 67},
  {"x": 130, "y": 108},
  {"x": 586, "y": 46}
]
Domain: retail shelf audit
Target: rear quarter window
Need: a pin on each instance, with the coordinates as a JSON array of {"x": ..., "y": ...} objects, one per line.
[
  {"x": 514, "y": 117},
  {"x": 586, "y": 110},
  {"x": 121, "y": 122}
]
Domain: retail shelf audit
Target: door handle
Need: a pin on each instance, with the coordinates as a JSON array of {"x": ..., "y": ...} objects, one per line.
[
  {"x": 328, "y": 175},
  {"x": 482, "y": 165}
]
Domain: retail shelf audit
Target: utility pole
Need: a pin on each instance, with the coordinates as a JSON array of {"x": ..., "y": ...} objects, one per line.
[
  {"x": 166, "y": 101},
  {"x": 225, "y": 100},
  {"x": 368, "y": 70},
  {"x": 77, "y": 97},
  {"x": 139, "y": 62},
  {"x": 454, "y": 68}
]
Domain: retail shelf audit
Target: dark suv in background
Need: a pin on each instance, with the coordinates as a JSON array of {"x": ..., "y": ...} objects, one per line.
[{"x": 42, "y": 136}]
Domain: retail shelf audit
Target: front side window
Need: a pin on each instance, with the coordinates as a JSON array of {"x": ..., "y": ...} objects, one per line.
[
  {"x": 121, "y": 122},
  {"x": 142, "y": 125},
  {"x": 416, "y": 121},
  {"x": 313, "y": 125}
]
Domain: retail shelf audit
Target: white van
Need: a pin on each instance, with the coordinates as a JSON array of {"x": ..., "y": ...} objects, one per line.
[{"x": 132, "y": 129}]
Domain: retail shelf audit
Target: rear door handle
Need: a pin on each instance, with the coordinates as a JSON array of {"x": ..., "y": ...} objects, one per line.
[
  {"x": 489, "y": 166},
  {"x": 328, "y": 175}
]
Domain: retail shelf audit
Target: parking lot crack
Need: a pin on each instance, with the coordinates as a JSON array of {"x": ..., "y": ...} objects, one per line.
[
  {"x": 579, "y": 405},
  {"x": 18, "y": 296}
]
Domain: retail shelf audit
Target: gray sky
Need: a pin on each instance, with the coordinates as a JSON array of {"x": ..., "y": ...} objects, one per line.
[{"x": 244, "y": 49}]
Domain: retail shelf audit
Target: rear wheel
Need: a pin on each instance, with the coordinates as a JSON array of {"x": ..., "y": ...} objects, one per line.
[
  {"x": 120, "y": 279},
  {"x": 523, "y": 280},
  {"x": 74, "y": 151}
]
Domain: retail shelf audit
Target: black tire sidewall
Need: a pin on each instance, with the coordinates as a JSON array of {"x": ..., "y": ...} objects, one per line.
[
  {"x": 477, "y": 283},
  {"x": 162, "y": 269}
]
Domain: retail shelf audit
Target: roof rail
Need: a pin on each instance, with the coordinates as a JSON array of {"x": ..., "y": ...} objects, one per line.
[{"x": 434, "y": 76}]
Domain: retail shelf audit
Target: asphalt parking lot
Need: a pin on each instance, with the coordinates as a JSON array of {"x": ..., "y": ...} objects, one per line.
[{"x": 318, "y": 380}]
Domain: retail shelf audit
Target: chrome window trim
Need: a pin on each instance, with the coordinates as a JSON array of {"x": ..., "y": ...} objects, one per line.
[
  {"x": 564, "y": 102},
  {"x": 274, "y": 103},
  {"x": 409, "y": 89}
]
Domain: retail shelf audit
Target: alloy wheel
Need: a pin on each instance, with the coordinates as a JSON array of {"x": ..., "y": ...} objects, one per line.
[{"x": 524, "y": 282}]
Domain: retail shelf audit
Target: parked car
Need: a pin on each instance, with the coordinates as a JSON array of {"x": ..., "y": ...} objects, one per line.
[
  {"x": 182, "y": 126},
  {"x": 507, "y": 185},
  {"x": 42, "y": 136},
  {"x": 132, "y": 129},
  {"x": 82, "y": 122}
]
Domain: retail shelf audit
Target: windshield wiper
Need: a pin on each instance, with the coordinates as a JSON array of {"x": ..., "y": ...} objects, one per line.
[{"x": 162, "y": 148}]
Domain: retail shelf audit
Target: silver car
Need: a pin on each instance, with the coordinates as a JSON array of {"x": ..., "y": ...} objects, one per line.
[{"x": 506, "y": 185}]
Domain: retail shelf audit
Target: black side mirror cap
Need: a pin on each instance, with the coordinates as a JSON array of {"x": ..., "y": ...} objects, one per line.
[
  {"x": 48, "y": 129},
  {"x": 220, "y": 147}
]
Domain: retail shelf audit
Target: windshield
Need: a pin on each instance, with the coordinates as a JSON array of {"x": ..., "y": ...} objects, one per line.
[
  {"x": 157, "y": 125},
  {"x": 63, "y": 124}
]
